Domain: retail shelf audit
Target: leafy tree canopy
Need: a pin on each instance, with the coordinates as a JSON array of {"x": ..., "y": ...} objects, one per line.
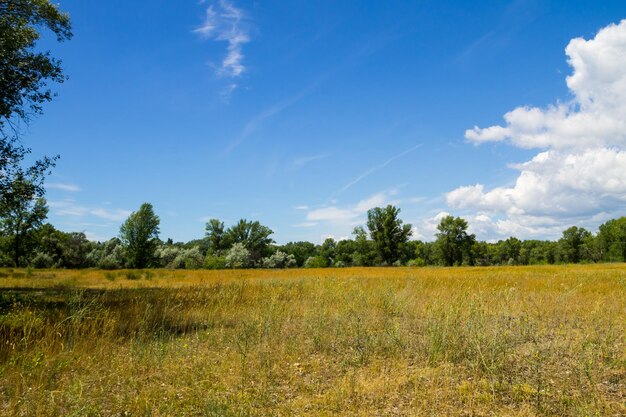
[
  {"x": 139, "y": 235},
  {"x": 25, "y": 72},
  {"x": 387, "y": 232},
  {"x": 453, "y": 243}
]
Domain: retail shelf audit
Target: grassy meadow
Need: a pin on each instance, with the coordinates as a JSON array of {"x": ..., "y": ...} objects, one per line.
[{"x": 501, "y": 341}]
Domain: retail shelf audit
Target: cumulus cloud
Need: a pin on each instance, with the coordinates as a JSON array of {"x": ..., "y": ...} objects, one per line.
[
  {"x": 596, "y": 115},
  {"x": 225, "y": 22},
  {"x": 579, "y": 177},
  {"x": 351, "y": 215},
  {"x": 426, "y": 228}
]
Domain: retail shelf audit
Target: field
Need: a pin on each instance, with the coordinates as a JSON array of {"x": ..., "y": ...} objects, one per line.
[{"x": 502, "y": 341}]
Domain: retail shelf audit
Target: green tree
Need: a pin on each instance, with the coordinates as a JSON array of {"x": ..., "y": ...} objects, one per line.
[
  {"x": 612, "y": 240},
  {"x": 365, "y": 250},
  {"x": 300, "y": 250},
  {"x": 25, "y": 70},
  {"x": 215, "y": 234},
  {"x": 75, "y": 247},
  {"x": 140, "y": 236},
  {"x": 454, "y": 244},
  {"x": 572, "y": 244},
  {"x": 388, "y": 232},
  {"x": 24, "y": 74},
  {"x": 534, "y": 252},
  {"x": 21, "y": 213},
  {"x": 254, "y": 236},
  {"x": 107, "y": 255},
  {"x": 326, "y": 251},
  {"x": 344, "y": 252},
  {"x": 426, "y": 252},
  {"x": 508, "y": 251}
]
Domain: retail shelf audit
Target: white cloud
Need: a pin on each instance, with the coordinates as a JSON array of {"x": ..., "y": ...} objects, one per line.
[
  {"x": 305, "y": 224},
  {"x": 351, "y": 215},
  {"x": 70, "y": 188},
  {"x": 579, "y": 177},
  {"x": 332, "y": 214},
  {"x": 69, "y": 208},
  {"x": 341, "y": 220},
  {"x": 595, "y": 117},
  {"x": 115, "y": 215},
  {"x": 225, "y": 22},
  {"x": 94, "y": 237},
  {"x": 425, "y": 229}
]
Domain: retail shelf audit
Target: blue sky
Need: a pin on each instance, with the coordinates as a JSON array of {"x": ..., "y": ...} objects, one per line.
[{"x": 303, "y": 115}]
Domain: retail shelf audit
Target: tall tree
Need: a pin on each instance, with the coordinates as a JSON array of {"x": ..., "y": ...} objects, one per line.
[
  {"x": 612, "y": 240},
  {"x": 253, "y": 235},
  {"x": 387, "y": 232},
  {"x": 24, "y": 70},
  {"x": 572, "y": 244},
  {"x": 454, "y": 244},
  {"x": 365, "y": 250},
  {"x": 24, "y": 75},
  {"x": 216, "y": 235},
  {"x": 21, "y": 212},
  {"x": 140, "y": 236}
]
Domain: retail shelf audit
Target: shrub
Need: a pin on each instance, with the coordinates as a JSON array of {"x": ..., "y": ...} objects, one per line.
[
  {"x": 214, "y": 262},
  {"x": 42, "y": 260},
  {"x": 167, "y": 255},
  {"x": 193, "y": 258},
  {"x": 238, "y": 256},
  {"x": 109, "y": 262},
  {"x": 418, "y": 262},
  {"x": 279, "y": 260},
  {"x": 315, "y": 262}
]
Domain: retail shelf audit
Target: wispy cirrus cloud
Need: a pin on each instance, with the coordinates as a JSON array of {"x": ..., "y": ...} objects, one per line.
[
  {"x": 259, "y": 119},
  {"x": 375, "y": 168},
  {"x": 225, "y": 22},
  {"x": 67, "y": 187},
  {"x": 301, "y": 161},
  {"x": 69, "y": 208}
]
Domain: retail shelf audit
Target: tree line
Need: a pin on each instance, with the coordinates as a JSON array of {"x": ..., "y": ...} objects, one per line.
[{"x": 385, "y": 240}]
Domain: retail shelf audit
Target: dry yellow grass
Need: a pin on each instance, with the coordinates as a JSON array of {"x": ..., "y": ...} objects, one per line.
[{"x": 505, "y": 341}]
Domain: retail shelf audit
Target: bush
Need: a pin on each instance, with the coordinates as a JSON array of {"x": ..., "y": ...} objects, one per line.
[
  {"x": 238, "y": 256},
  {"x": 109, "y": 262},
  {"x": 167, "y": 256},
  {"x": 315, "y": 262},
  {"x": 418, "y": 262},
  {"x": 279, "y": 260},
  {"x": 42, "y": 260},
  {"x": 192, "y": 258},
  {"x": 214, "y": 262}
]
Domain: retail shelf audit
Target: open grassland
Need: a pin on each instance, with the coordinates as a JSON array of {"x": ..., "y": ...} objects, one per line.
[{"x": 505, "y": 341}]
